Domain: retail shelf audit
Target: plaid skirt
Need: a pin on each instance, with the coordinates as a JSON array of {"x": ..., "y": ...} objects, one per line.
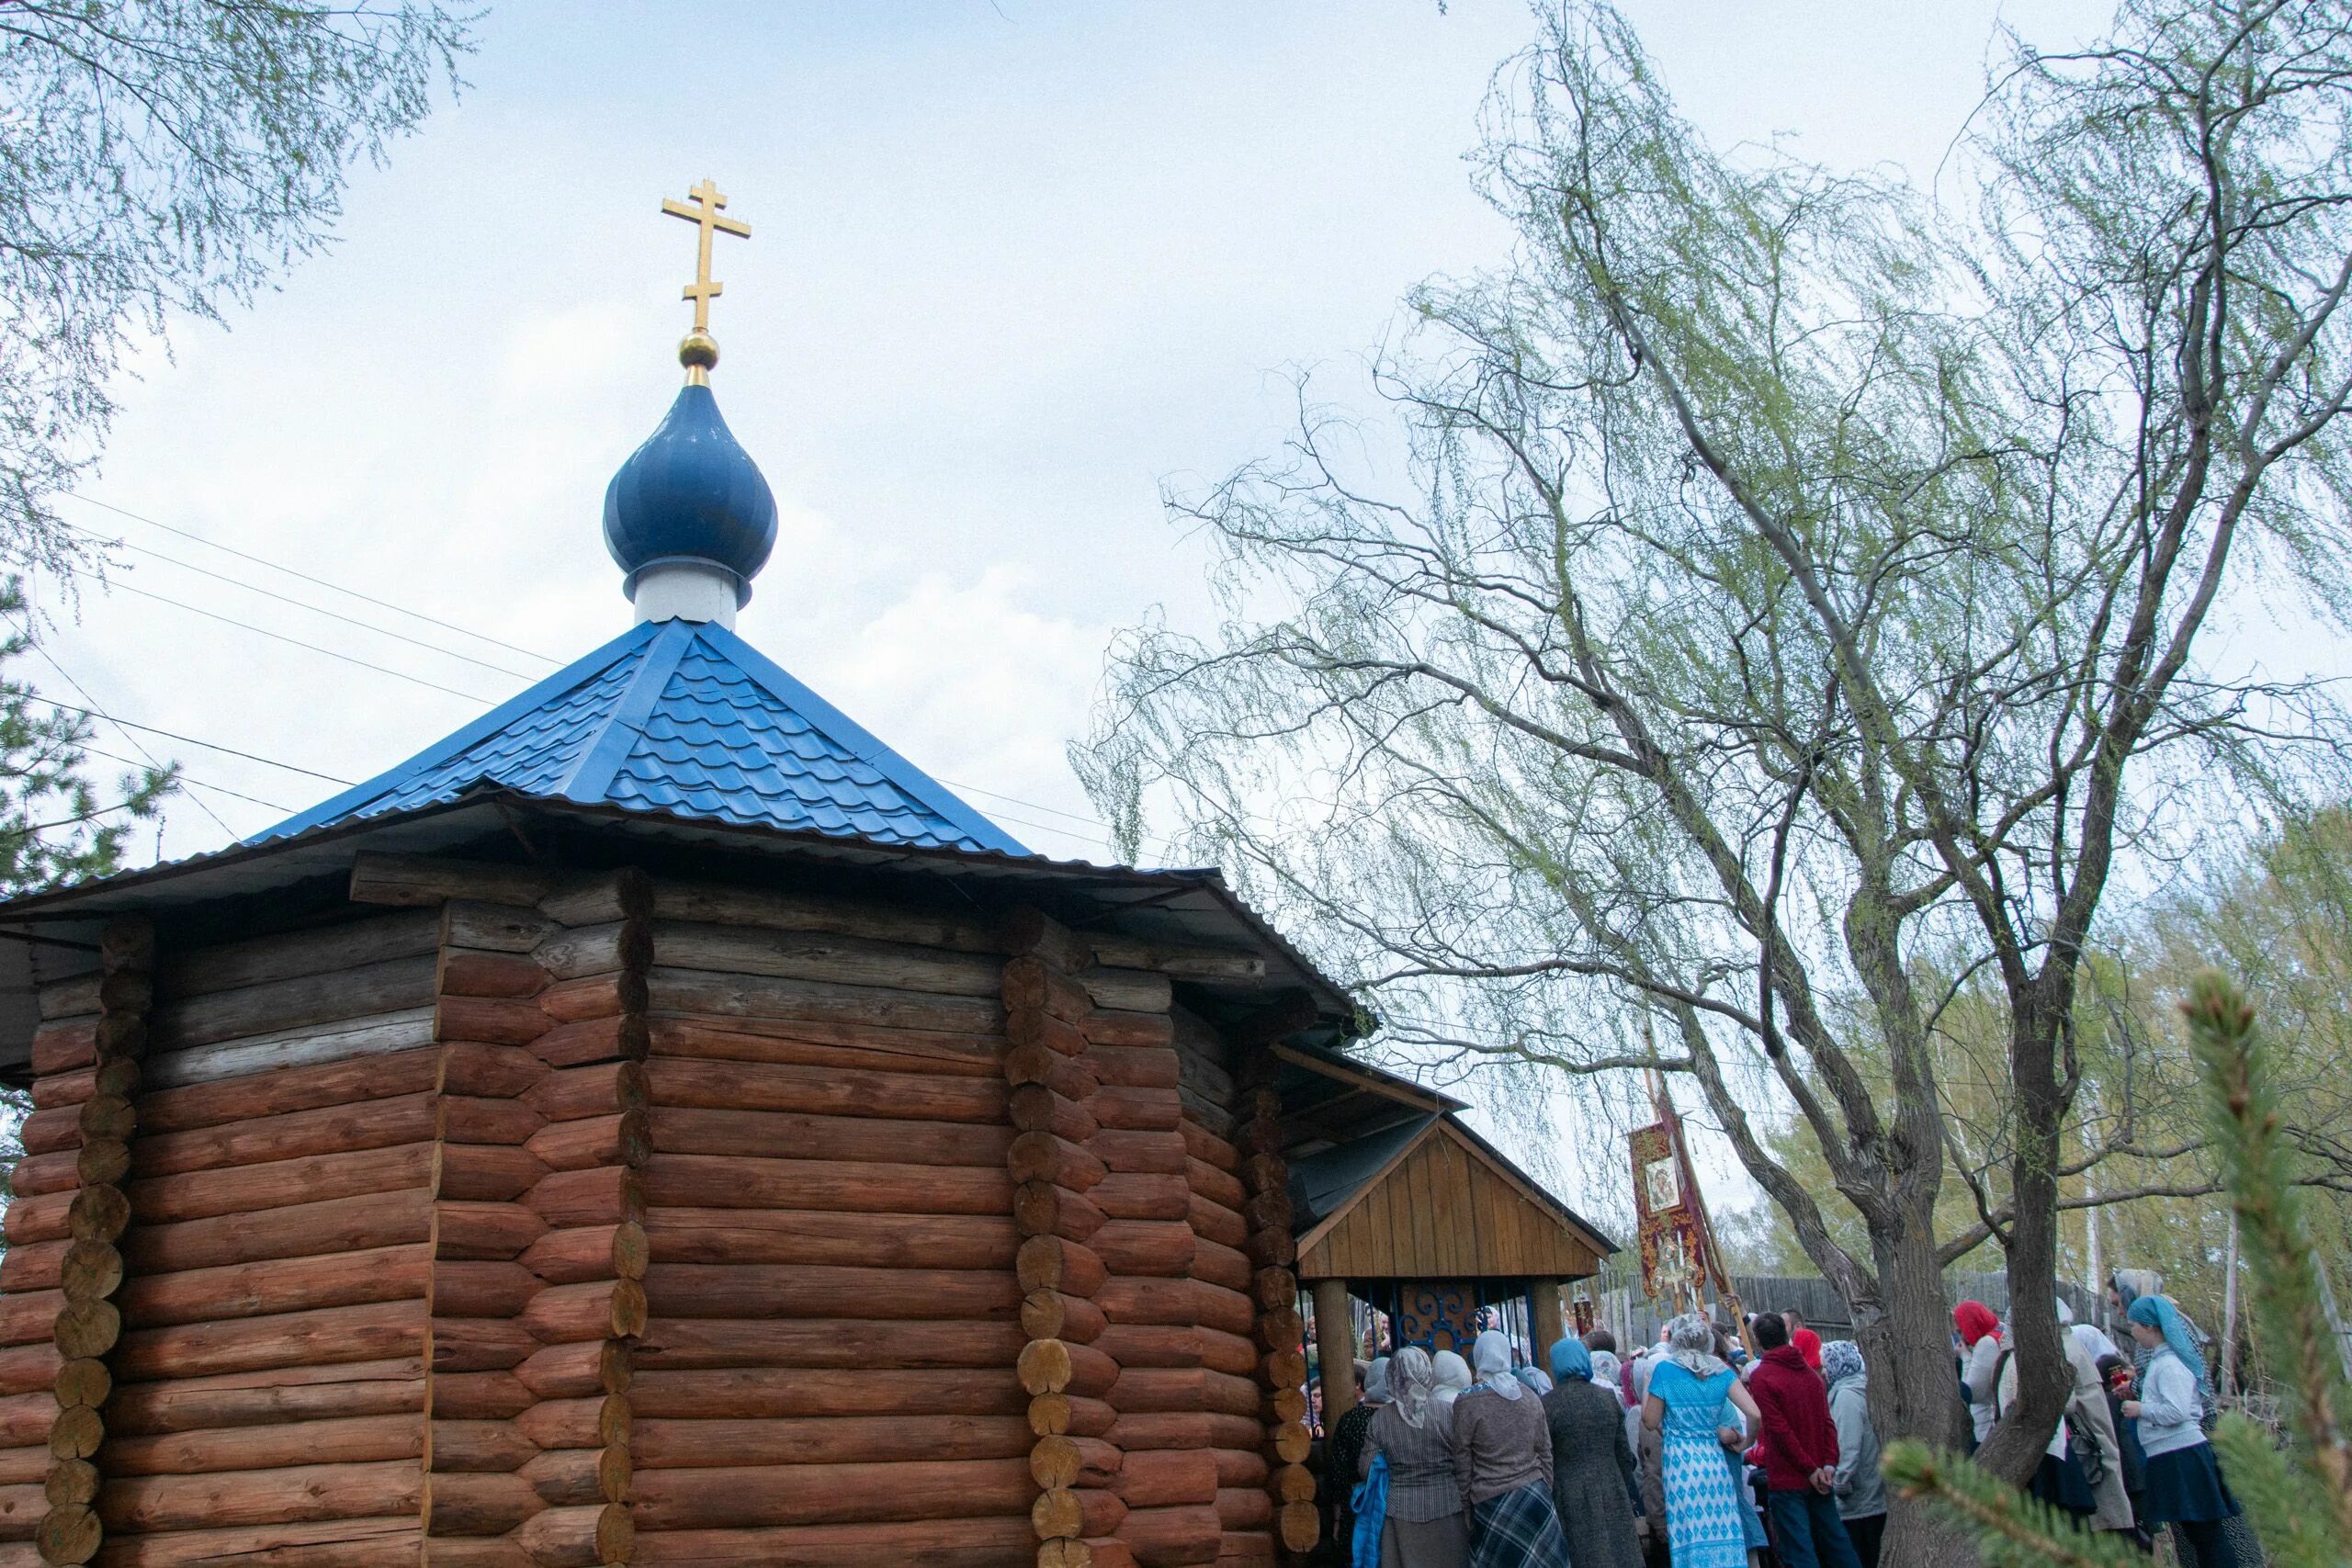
[{"x": 1518, "y": 1529}]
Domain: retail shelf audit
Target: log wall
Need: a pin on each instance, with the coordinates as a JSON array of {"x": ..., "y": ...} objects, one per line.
[{"x": 554, "y": 1222}]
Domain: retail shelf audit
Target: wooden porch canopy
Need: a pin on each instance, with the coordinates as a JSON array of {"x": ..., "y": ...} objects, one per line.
[{"x": 1428, "y": 1199}]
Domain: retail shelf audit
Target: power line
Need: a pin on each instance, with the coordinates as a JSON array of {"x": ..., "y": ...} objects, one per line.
[
  {"x": 188, "y": 739},
  {"x": 314, "y": 609},
  {"x": 280, "y": 636},
  {"x": 53, "y": 664},
  {"x": 320, "y": 581},
  {"x": 200, "y": 783}
]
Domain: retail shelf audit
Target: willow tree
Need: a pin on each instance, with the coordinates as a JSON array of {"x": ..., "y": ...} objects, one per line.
[{"x": 1789, "y": 598}]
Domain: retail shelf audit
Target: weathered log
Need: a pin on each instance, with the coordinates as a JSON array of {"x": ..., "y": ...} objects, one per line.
[
  {"x": 286, "y": 955},
  {"x": 288, "y": 1284},
  {"x": 1282, "y": 1329},
  {"x": 847, "y": 960},
  {"x": 84, "y": 1380},
  {"x": 787, "y": 1235},
  {"x": 1163, "y": 1248},
  {"x": 569, "y": 1477},
  {"x": 486, "y": 1173},
  {"x": 604, "y": 1308},
  {"x": 261, "y": 1496},
  {"x": 590, "y": 1252},
  {"x": 1208, "y": 1147},
  {"x": 1133, "y": 1066},
  {"x": 355, "y": 1080},
  {"x": 1217, "y": 1186},
  {"x": 1268, "y": 1210},
  {"x": 1285, "y": 1368},
  {"x": 493, "y": 1072},
  {"x": 713, "y": 1181},
  {"x": 579, "y": 1538},
  {"x": 737, "y": 996},
  {"x": 501, "y": 927},
  {"x": 582, "y": 1042},
  {"x": 65, "y": 1535},
  {"x": 67, "y": 1089},
  {"x": 1178, "y": 961},
  {"x": 1068, "y": 1076},
  {"x": 756, "y": 1132},
  {"x": 1041, "y": 1157},
  {"x": 578, "y": 1370},
  {"x": 426, "y": 880},
  {"x": 1043, "y": 1208},
  {"x": 826, "y": 1090},
  {"x": 462, "y": 1504},
  {"x": 935, "y": 1543},
  {"x": 783, "y": 1495},
  {"x": 1062, "y": 1552},
  {"x": 29, "y": 1319},
  {"x": 48, "y": 1132},
  {"x": 25, "y": 1418},
  {"x": 388, "y": 1542},
  {"x": 1130, "y": 1152},
  {"x": 35, "y": 1265},
  {"x": 98, "y": 1213},
  {"x": 339, "y": 996},
  {"x": 606, "y": 1195},
  {"x": 356, "y": 1440},
  {"x": 1057, "y": 1414},
  {"x": 102, "y": 1160},
  {"x": 1034, "y": 1108},
  {"x": 1051, "y": 1263},
  {"x": 1125, "y": 990},
  {"x": 1049, "y": 1314},
  {"x": 1142, "y": 1029},
  {"x": 811, "y": 1043},
  {"x": 600, "y": 1088},
  {"x": 686, "y": 1344},
  {"x": 484, "y": 1232},
  {"x": 280, "y": 1183},
  {"x": 1031, "y": 984},
  {"x": 858, "y": 1439},
  {"x": 623, "y": 1138},
  {"x": 306, "y": 1045},
  {"x": 1292, "y": 1442},
  {"x": 1058, "y": 1515},
  {"x": 1029, "y": 1026},
  {"x": 157, "y": 1409},
  {"x": 501, "y": 974},
  {"x": 752, "y": 1291},
  {"x": 749, "y": 1394},
  {"x": 1293, "y": 1484},
  {"x": 86, "y": 1328},
  {"x": 480, "y": 1345},
  {"x": 38, "y": 1176},
  {"x": 326, "y": 1335},
  {"x": 1158, "y": 1478},
  {"x": 599, "y": 1421}
]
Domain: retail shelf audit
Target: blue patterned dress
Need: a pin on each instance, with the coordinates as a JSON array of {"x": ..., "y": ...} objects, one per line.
[{"x": 1703, "y": 1523}]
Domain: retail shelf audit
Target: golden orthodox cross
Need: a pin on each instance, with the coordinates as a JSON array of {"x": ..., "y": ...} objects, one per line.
[{"x": 704, "y": 207}]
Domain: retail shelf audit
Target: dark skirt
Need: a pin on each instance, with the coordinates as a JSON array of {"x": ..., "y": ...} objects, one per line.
[
  {"x": 1440, "y": 1542},
  {"x": 2186, "y": 1484},
  {"x": 2059, "y": 1482},
  {"x": 1518, "y": 1529}
]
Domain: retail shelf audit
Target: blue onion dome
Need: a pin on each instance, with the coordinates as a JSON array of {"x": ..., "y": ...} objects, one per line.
[{"x": 691, "y": 494}]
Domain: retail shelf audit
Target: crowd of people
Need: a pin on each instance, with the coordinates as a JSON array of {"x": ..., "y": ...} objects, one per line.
[{"x": 1695, "y": 1453}]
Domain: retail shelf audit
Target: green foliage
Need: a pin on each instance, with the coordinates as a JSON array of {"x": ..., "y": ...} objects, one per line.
[
  {"x": 52, "y": 826},
  {"x": 169, "y": 156},
  {"x": 2299, "y": 1498}
]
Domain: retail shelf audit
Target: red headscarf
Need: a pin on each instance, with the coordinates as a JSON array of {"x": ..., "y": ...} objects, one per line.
[
  {"x": 1975, "y": 1320},
  {"x": 1808, "y": 1345}
]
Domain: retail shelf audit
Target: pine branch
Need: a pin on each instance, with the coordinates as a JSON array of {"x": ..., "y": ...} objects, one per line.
[{"x": 2011, "y": 1528}]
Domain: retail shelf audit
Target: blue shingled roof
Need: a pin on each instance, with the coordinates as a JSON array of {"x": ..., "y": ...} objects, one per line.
[{"x": 687, "y": 719}]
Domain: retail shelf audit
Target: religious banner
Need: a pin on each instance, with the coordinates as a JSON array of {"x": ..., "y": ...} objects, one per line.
[{"x": 1669, "y": 1230}]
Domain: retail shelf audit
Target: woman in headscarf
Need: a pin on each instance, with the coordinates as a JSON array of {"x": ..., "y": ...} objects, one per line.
[
  {"x": 1980, "y": 1350},
  {"x": 2097, "y": 1446},
  {"x": 1537, "y": 1383},
  {"x": 1704, "y": 1512},
  {"x": 1646, "y": 1455},
  {"x": 1502, "y": 1458},
  {"x": 1808, "y": 1345},
  {"x": 1426, "y": 1528},
  {"x": 1859, "y": 1489},
  {"x": 1453, "y": 1380},
  {"x": 1346, "y": 1448},
  {"x": 2116, "y": 1372},
  {"x": 2184, "y": 1485},
  {"x": 1593, "y": 1478}
]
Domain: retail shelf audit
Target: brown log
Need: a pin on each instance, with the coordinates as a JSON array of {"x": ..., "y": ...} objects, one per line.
[
  {"x": 1131, "y": 1066},
  {"x": 578, "y": 1370},
  {"x": 1244, "y": 1508},
  {"x": 1056, "y": 1515},
  {"x": 857, "y": 1439},
  {"x": 1217, "y": 1186},
  {"x": 590, "y": 1252},
  {"x": 486, "y": 1173},
  {"x": 1134, "y": 1299},
  {"x": 1065, "y": 1553},
  {"x": 65, "y": 1535},
  {"x": 1138, "y": 1110},
  {"x": 1230, "y": 1311},
  {"x": 337, "y": 1225},
  {"x": 23, "y": 1421},
  {"x": 1028, "y": 1026},
  {"x": 387, "y": 1543},
  {"x": 36, "y": 1266},
  {"x": 291, "y": 1284},
  {"x": 751, "y": 1291},
  {"x": 846, "y": 1138},
  {"x": 1222, "y": 1265},
  {"x": 492, "y": 1072},
  {"x": 200, "y": 1406},
  {"x": 1041, "y": 1157},
  {"x": 1052, "y": 1415},
  {"x": 935, "y": 1543},
  {"x": 1051, "y": 1263},
  {"x": 747, "y": 1392},
  {"x": 261, "y": 1496},
  {"x": 1173, "y": 1538},
  {"x": 1126, "y": 989},
  {"x": 913, "y": 1096},
  {"x": 495, "y": 1021},
  {"x": 37, "y": 1176},
  {"x": 475, "y": 1119},
  {"x": 280, "y": 1183},
  {"x": 1212, "y": 1221},
  {"x": 478, "y": 974},
  {"x": 781, "y": 1494},
  {"x": 1292, "y": 1482},
  {"x": 485, "y": 1232},
  {"x": 1296, "y": 1525},
  {"x": 1282, "y": 1329},
  {"x": 699, "y": 1180},
  {"x": 1034, "y": 1108},
  {"x": 480, "y": 1396},
  {"x": 1042, "y": 1207},
  {"x": 76, "y": 1433},
  {"x": 29, "y": 1319},
  {"x": 686, "y": 1344},
  {"x": 738, "y": 996},
  {"x": 88, "y": 1328},
  {"x": 102, "y": 1160},
  {"x": 26, "y": 1367},
  {"x": 625, "y": 1138},
  {"x": 1137, "y": 1030},
  {"x": 1208, "y": 1147},
  {"x": 63, "y": 1046},
  {"x": 1268, "y": 1211},
  {"x": 1032, "y": 984},
  {"x": 48, "y": 1132},
  {"x": 231, "y": 1101},
  {"x": 1176, "y": 1388},
  {"x": 357, "y": 1440},
  {"x": 1054, "y": 1461},
  {"x": 1151, "y": 1344},
  {"x": 461, "y": 1504},
  {"x": 1142, "y": 1195},
  {"x": 84, "y": 1380},
  {"x": 330, "y": 1334},
  {"x": 1156, "y": 1247},
  {"x": 604, "y": 1308},
  {"x": 1049, "y": 1314},
  {"x": 599, "y": 1421},
  {"x": 609, "y": 1037},
  {"x": 1236, "y": 1467},
  {"x": 608, "y": 1195},
  {"x": 1292, "y": 1442},
  {"x": 1273, "y": 1249},
  {"x": 596, "y": 996},
  {"x": 98, "y": 1213},
  {"x": 1163, "y": 1478},
  {"x": 843, "y": 959},
  {"x": 601, "y": 1089},
  {"x": 69, "y": 1483},
  {"x": 579, "y": 1538},
  {"x": 480, "y": 1345},
  {"x": 471, "y": 1551},
  {"x": 785, "y": 1235},
  {"x": 569, "y": 1477},
  {"x": 1028, "y": 932}
]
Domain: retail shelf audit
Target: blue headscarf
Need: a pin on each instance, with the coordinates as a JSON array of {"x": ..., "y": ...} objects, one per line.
[
  {"x": 1571, "y": 1359},
  {"x": 2158, "y": 1313}
]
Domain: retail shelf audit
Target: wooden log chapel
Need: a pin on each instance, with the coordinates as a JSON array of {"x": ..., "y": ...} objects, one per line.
[{"x": 656, "y": 1124}]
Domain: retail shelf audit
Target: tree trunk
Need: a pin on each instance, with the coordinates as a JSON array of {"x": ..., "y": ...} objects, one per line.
[{"x": 1913, "y": 1386}]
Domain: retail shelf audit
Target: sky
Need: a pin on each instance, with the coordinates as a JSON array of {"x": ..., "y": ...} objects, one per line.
[{"x": 1014, "y": 267}]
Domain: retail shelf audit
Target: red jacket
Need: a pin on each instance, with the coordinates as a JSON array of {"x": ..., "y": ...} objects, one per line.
[{"x": 1799, "y": 1436}]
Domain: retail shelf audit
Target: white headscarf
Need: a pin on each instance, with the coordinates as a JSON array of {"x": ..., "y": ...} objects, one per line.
[
  {"x": 1376, "y": 1382},
  {"x": 1453, "y": 1378},
  {"x": 1537, "y": 1381},
  {"x": 1606, "y": 1369},
  {"x": 1490, "y": 1359},
  {"x": 1413, "y": 1377},
  {"x": 1691, "y": 1345}
]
